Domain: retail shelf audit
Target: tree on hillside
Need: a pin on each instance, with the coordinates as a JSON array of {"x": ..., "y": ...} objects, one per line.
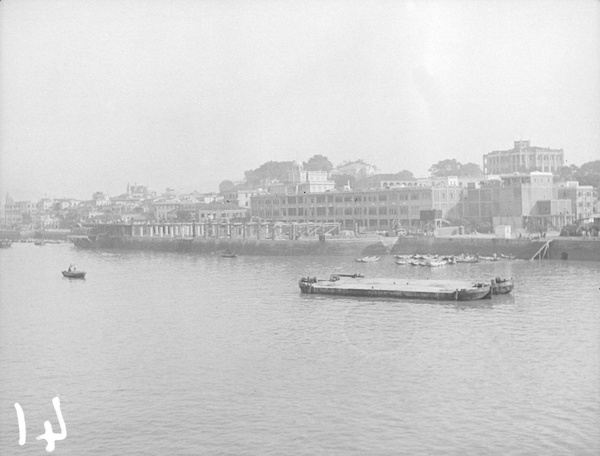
[
  {"x": 444, "y": 168},
  {"x": 225, "y": 186},
  {"x": 341, "y": 180},
  {"x": 470, "y": 169},
  {"x": 452, "y": 167},
  {"x": 270, "y": 170},
  {"x": 589, "y": 174},
  {"x": 318, "y": 163},
  {"x": 405, "y": 175},
  {"x": 566, "y": 173}
]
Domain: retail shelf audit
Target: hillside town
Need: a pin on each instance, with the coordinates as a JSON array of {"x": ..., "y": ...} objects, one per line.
[{"x": 527, "y": 189}]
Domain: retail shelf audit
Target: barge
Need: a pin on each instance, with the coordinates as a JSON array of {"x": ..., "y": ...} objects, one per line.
[{"x": 357, "y": 285}]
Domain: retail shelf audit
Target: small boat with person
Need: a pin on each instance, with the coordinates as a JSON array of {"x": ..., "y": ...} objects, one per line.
[
  {"x": 5, "y": 243},
  {"x": 39, "y": 242},
  {"x": 73, "y": 273}
]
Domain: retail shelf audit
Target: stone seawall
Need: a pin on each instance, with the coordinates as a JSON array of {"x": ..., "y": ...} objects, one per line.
[
  {"x": 244, "y": 246},
  {"x": 560, "y": 248},
  {"x": 579, "y": 249}
]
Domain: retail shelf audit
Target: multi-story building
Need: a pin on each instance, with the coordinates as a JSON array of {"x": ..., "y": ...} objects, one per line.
[
  {"x": 165, "y": 209},
  {"x": 522, "y": 158},
  {"x": 581, "y": 196},
  {"x": 368, "y": 210},
  {"x": 240, "y": 196},
  {"x": 220, "y": 212},
  {"x": 100, "y": 199},
  {"x": 520, "y": 200},
  {"x": 301, "y": 182},
  {"x": 12, "y": 213},
  {"x": 382, "y": 181},
  {"x": 357, "y": 169}
]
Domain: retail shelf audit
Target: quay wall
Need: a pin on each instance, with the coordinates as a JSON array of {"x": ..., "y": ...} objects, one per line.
[
  {"x": 577, "y": 249},
  {"x": 242, "y": 246},
  {"x": 574, "y": 249}
]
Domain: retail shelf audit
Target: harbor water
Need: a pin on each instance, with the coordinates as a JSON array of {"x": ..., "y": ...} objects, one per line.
[{"x": 191, "y": 354}]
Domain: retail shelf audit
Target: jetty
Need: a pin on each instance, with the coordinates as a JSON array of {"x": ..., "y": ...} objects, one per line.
[{"x": 357, "y": 285}]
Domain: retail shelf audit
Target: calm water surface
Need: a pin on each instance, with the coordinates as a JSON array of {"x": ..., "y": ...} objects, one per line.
[{"x": 180, "y": 354}]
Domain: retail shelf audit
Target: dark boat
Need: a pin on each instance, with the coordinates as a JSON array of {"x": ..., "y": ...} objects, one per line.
[
  {"x": 74, "y": 274},
  {"x": 355, "y": 285},
  {"x": 502, "y": 286},
  {"x": 228, "y": 254}
]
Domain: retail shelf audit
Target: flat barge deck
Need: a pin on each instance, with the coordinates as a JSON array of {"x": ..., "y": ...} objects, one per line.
[{"x": 356, "y": 285}]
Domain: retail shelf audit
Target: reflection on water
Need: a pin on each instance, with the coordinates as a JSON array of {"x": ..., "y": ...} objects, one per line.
[{"x": 162, "y": 353}]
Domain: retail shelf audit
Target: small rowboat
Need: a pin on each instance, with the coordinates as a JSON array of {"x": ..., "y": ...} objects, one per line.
[
  {"x": 74, "y": 274},
  {"x": 367, "y": 259},
  {"x": 228, "y": 254},
  {"x": 502, "y": 286}
]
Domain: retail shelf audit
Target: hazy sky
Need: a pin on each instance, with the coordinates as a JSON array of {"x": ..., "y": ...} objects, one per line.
[{"x": 187, "y": 93}]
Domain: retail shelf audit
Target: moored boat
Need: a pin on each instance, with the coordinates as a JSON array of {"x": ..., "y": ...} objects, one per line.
[
  {"x": 228, "y": 254},
  {"x": 5, "y": 243},
  {"x": 354, "y": 285},
  {"x": 367, "y": 259},
  {"x": 502, "y": 286},
  {"x": 40, "y": 242}
]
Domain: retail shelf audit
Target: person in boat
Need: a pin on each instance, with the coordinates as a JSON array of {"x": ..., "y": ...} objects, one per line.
[{"x": 70, "y": 267}]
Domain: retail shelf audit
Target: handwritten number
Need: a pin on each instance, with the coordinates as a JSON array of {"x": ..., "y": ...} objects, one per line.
[
  {"x": 21, "y": 420},
  {"x": 49, "y": 436}
]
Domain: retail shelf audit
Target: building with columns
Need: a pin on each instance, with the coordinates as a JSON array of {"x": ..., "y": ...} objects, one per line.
[{"x": 523, "y": 158}]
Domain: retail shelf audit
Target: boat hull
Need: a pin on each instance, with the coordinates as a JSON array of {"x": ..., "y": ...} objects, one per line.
[
  {"x": 397, "y": 288},
  {"x": 74, "y": 275},
  {"x": 502, "y": 286}
]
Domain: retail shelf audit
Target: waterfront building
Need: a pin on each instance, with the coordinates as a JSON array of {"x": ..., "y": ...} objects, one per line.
[
  {"x": 522, "y": 158},
  {"x": 220, "y": 212},
  {"x": 385, "y": 210},
  {"x": 12, "y": 213},
  {"x": 166, "y": 209},
  {"x": 520, "y": 200},
  {"x": 241, "y": 196},
  {"x": 581, "y": 196}
]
